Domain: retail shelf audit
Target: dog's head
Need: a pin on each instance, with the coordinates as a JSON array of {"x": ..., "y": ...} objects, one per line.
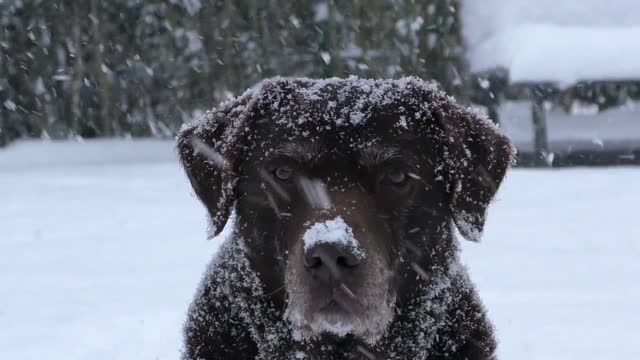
[{"x": 344, "y": 189}]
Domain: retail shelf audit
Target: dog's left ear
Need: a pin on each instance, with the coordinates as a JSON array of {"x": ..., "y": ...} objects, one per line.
[
  {"x": 476, "y": 157},
  {"x": 210, "y": 174}
]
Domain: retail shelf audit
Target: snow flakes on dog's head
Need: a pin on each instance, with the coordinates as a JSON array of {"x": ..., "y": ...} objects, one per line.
[
  {"x": 349, "y": 115},
  {"x": 338, "y": 102},
  {"x": 328, "y": 103}
]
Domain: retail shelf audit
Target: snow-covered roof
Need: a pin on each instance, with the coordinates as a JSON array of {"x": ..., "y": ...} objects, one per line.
[{"x": 554, "y": 40}]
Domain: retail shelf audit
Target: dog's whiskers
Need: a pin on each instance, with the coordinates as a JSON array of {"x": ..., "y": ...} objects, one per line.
[
  {"x": 276, "y": 290},
  {"x": 391, "y": 301},
  {"x": 285, "y": 303},
  {"x": 347, "y": 291},
  {"x": 426, "y": 186},
  {"x": 418, "y": 269},
  {"x": 411, "y": 247},
  {"x": 365, "y": 352},
  {"x": 296, "y": 291},
  {"x": 272, "y": 203}
]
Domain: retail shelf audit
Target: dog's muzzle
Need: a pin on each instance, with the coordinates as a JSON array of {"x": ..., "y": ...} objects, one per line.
[{"x": 330, "y": 264}]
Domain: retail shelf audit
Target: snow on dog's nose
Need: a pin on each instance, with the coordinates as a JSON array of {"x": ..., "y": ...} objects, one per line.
[
  {"x": 335, "y": 232},
  {"x": 331, "y": 250}
]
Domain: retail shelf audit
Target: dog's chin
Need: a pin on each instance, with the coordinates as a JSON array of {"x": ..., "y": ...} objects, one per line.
[
  {"x": 336, "y": 320},
  {"x": 333, "y": 320}
]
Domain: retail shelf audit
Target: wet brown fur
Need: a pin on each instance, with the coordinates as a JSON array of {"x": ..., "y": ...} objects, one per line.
[{"x": 457, "y": 162}]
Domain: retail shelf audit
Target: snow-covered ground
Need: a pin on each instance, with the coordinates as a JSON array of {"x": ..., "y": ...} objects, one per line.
[{"x": 102, "y": 244}]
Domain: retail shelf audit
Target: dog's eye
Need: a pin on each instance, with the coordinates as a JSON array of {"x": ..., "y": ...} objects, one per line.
[
  {"x": 394, "y": 176},
  {"x": 283, "y": 173}
]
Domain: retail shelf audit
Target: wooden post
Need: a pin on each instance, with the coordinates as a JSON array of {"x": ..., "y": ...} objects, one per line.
[
  {"x": 540, "y": 137},
  {"x": 107, "y": 123},
  {"x": 4, "y": 135},
  {"x": 493, "y": 113},
  {"x": 335, "y": 64},
  {"x": 78, "y": 73}
]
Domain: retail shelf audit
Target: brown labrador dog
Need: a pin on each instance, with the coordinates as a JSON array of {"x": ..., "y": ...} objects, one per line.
[{"x": 345, "y": 195}]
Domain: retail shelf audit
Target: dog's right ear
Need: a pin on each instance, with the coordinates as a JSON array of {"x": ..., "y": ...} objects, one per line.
[
  {"x": 212, "y": 151},
  {"x": 476, "y": 158},
  {"x": 210, "y": 174}
]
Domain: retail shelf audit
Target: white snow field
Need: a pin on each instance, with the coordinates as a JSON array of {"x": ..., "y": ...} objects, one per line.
[{"x": 102, "y": 245}]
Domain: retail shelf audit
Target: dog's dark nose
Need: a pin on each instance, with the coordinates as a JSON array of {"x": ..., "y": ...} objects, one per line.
[{"x": 329, "y": 262}]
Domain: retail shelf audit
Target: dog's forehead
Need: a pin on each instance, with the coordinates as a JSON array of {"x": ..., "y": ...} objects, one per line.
[
  {"x": 351, "y": 115},
  {"x": 377, "y": 139},
  {"x": 344, "y": 102}
]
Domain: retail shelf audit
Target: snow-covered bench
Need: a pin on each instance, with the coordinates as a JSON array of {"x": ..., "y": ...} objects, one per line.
[{"x": 523, "y": 51}]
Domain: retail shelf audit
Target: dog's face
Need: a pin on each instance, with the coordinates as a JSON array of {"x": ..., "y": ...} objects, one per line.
[
  {"x": 338, "y": 216},
  {"x": 335, "y": 208}
]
